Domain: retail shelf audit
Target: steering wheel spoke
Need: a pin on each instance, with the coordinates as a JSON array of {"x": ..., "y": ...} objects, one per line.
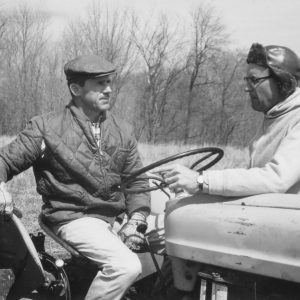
[{"x": 161, "y": 185}]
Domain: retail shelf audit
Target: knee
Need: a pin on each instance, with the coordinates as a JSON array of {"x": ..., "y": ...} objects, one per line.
[{"x": 131, "y": 267}]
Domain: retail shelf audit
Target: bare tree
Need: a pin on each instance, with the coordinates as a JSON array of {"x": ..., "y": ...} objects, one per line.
[
  {"x": 227, "y": 69},
  {"x": 3, "y": 22},
  {"x": 208, "y": 36},
  {"x": 163, "y": 66},
  {"x": 3, "y": 27},
  {"x": 103, "y": 31},
  {"x": 24, "y": 45}
]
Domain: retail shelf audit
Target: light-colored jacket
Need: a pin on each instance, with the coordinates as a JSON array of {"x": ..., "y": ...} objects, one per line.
[{"x": 274, "y": 157}]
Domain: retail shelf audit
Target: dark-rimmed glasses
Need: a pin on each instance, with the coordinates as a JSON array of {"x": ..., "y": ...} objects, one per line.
[{"x": 255, "y": 80}]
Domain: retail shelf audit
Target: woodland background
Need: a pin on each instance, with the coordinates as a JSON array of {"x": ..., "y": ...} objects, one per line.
[{"x": 181, "y": 84}]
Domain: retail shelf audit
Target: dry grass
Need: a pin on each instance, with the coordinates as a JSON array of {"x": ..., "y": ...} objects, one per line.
[{"x": 29, "y": 202}]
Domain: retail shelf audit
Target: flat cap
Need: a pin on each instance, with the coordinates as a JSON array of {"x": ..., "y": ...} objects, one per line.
[{"x": 88, "y": 66}]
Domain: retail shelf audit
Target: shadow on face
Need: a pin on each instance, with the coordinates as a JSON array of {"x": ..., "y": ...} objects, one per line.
[{"x": 262, "y": 88}]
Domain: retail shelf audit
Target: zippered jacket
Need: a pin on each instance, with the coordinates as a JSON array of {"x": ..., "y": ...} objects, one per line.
[
  {"x": 274, "y": 157},
  {"x": 75, "y": 177}
]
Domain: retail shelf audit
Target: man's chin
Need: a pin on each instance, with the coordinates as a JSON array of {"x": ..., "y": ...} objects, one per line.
[
  {"x": 104, "y": 107},
  {"x": 254, "y": 103},
  {"x": 257, "y": 108}
]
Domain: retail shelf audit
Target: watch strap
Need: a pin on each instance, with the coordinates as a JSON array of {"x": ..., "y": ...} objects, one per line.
[{"x": 200, "y": 181}]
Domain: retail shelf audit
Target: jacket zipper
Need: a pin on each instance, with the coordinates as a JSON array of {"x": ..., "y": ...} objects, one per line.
[
  {"x": 100, "y": 141},
  {"x": 100, "y": 158},
  {"x": 100, "y": 152}
]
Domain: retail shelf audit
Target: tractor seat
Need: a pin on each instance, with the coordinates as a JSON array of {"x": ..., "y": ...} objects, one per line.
[{"x": 60, "y": 241}]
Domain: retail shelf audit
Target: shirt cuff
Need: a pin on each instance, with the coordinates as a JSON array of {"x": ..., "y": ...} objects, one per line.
[{"x": 215, "y": 181}]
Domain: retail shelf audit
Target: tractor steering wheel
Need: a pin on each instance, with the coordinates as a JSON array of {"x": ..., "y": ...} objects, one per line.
[{"x": 126, "y": 180}]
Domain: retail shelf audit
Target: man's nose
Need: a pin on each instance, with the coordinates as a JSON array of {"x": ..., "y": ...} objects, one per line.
[
  {"x": 247, "y": 89},
  {"x": 107, "y": 90}
]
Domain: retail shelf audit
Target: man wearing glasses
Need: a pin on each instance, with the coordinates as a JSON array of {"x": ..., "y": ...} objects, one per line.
[{"x": 272, "y": 83}]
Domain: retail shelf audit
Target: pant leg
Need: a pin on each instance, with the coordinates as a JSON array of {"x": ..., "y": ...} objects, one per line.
[{"x": 95, "y": 239}]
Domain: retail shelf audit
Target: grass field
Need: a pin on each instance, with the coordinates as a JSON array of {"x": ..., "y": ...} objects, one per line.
[{"x": 29, "y": 202}]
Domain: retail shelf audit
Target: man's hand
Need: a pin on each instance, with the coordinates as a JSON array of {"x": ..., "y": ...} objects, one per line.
[
  {"x": 132, "y": 233},
  {"x": 6, "y": 205},
  {"x": 179, "y": 177}
]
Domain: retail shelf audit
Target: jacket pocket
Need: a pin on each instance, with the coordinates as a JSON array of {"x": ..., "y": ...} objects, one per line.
[{"x": 118, "y": 160}]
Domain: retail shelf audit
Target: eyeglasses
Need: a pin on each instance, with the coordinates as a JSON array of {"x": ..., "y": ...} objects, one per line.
[{"x": 256, "y": 80}]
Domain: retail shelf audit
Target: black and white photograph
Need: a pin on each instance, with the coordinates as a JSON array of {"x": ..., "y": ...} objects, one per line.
[{"x": 149, "y": 150}]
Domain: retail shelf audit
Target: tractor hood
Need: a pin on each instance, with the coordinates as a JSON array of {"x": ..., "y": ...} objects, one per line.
[{"x": 258, "y": 234}]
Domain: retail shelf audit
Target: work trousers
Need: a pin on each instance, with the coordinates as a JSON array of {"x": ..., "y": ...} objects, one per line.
[{"x": 98, "y": 241}]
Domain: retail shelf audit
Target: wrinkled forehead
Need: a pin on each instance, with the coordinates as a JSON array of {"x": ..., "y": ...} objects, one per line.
[{"x": 257, "y": 71}]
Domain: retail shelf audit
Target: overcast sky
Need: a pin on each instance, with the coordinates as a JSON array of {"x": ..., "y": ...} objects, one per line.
[{"x": 247, "y": 21}]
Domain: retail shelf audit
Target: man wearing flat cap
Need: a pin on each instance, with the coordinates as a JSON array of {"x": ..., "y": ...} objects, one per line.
[
  {"x": 272, "y": 83},
  {"x": 78, "y": 156}
]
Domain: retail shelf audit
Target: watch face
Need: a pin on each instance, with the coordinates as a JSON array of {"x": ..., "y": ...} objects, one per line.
[{"x": 200, "y": 179}]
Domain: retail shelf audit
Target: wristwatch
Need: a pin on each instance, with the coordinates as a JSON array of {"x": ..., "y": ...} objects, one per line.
[{"x": 200, "y": 181}]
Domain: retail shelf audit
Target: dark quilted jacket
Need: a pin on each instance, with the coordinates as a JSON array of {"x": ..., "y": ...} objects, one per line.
[{"x": 74, "y": 176}]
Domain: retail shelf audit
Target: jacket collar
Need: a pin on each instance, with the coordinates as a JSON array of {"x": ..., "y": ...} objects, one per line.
[
  {"x": 290, "y": 103},
  {"x": 81, "y": 116},
  {"x": 83, "y": 121}
]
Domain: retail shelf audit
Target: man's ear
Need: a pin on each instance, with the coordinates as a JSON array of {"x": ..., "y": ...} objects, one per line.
[{"x": 75, "y": 89}]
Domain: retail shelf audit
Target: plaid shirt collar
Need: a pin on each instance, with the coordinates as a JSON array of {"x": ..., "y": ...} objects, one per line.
[{"x": 96, "y": 129}]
